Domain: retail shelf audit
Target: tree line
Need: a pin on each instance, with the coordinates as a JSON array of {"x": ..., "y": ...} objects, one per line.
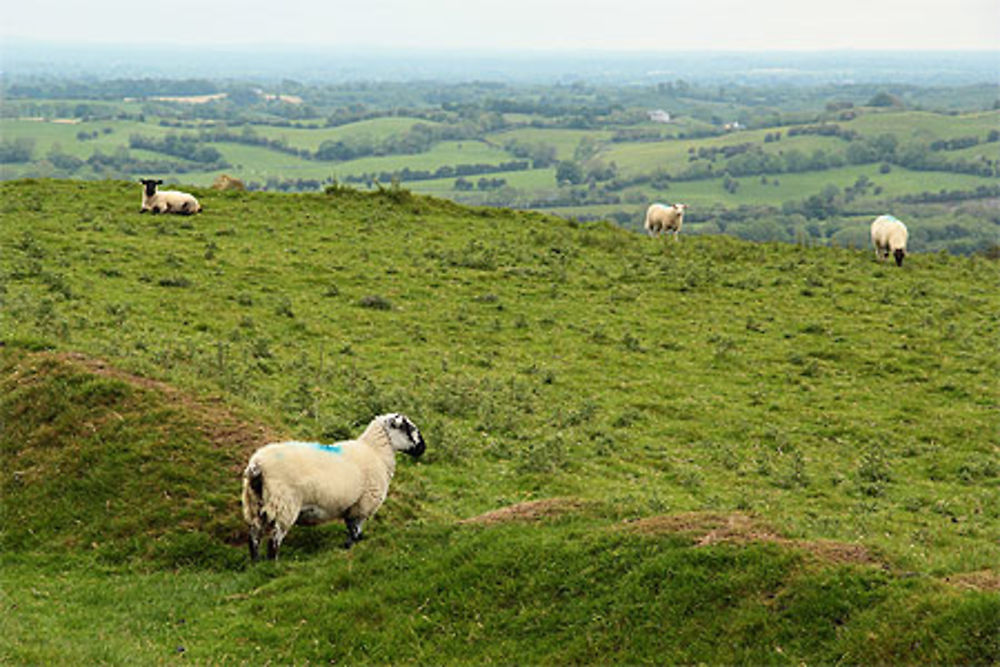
[{"x": 446, "y": 171}]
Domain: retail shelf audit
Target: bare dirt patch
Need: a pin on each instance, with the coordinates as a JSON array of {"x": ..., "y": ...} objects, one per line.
[
  {"x": 982, "y": 580},
  {"x": 532, "y": 510},
  {"x": 704, "y": 528},
  {"x": 707, "y": 528}
]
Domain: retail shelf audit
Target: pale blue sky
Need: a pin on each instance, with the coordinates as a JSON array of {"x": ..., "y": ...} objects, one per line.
[{"x": 619, "y": 25}]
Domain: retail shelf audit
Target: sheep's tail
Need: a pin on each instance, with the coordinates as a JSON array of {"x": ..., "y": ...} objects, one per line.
[{"x": 253, "y": 493}]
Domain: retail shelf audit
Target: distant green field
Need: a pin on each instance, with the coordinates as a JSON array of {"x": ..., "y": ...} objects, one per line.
[
  {"x": 531, "y": 180},
  {"x": 262, "y": 166},
  {"x": 926, "y": 125},
  {"x": 47, "y": 134},
  {"x": 672, "y": 155},
  {"x": 443, "y": 153},
  {"x": 751, "y": 190},
  {"x": 564, "y": 141},
  {"x": 376, "y": 129},
  {"x": 253, "y": 163}
]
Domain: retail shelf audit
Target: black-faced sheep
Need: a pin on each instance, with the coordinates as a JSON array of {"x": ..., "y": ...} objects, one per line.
[
  {"x": 662, "y": 218},
  {"x": 166, "y": 201},
  {"x": 889, "y": 235},
  {"x": 309, "y": 483}
]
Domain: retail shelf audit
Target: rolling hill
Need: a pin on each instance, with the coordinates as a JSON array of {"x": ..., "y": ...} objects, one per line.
[{"x": 638, "y": 450}]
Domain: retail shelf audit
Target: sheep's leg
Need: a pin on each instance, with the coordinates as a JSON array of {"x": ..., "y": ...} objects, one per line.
[
  {"x": 274, "y": 542},
  {"x": 353, "y": 531},
  {"x": 253, "y": 542}
]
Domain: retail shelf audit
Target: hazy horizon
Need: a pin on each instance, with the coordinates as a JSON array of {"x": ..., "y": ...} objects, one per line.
[
  {"x": 522, "y": 25},
  {"x": 23, "y": 59}
]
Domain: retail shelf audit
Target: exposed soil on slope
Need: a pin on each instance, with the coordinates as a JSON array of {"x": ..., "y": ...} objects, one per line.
[
  {"x": 705, "y": 528},
  {"x": 216, "y": 421},
  {"x": 983, "y": 580},
  {"x": 533, "y": 510}
]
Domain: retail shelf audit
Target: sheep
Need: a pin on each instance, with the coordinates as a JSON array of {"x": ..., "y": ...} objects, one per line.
[
  {"x": 166, "y": 201},
  {"x": 662, "y": 218},
  {"x": 889, "y": 235},
  {"x": 310, "y": 483}
]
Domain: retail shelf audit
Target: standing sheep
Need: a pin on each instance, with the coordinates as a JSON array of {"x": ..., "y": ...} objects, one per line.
[
  {"x": 166, "y": 201},
  {"x": 308, "y": 483},
  {"x": 662, "y": 218},
  {"x": 889, "y": 235}
]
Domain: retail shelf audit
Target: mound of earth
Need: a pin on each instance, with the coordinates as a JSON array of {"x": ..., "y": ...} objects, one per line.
[
  {"x": 103, "y": 459},
  {"x": 705, "y": 528}
]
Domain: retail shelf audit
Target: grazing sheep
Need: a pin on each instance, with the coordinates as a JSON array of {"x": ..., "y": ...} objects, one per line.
[
  {"x": 308, "y": 483},
  {"x": 166, "y": 201},
  {"x": 661, "y": 218},
  {"x": 889, "y": 235}
]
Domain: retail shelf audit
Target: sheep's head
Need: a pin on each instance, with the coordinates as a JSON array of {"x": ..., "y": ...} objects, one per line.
[
  {"x": 403, "y": 434},
  {"x": 899, "y": 254},
  {"x": 680, "y": 208},
  {"x": 150, "y": 185}
]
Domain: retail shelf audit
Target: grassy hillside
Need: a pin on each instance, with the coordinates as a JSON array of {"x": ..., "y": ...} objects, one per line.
[
  {"x": 809, "y": 175},
  {"x": 708, "y": 450}
]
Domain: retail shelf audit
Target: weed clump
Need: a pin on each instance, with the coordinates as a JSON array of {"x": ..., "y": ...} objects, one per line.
[
  {"x": 375, "y": 302},
  {"x": 174, "y": 281}
]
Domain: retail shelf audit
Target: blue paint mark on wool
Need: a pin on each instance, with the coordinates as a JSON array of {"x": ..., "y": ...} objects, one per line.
[
  {"x": 329, "y": 449},
  {"x": 891, "y": 218}
]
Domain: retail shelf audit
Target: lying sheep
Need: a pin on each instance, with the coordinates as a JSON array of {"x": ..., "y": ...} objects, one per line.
[
  {"x": 308, "y": 483},
  {"x": 166, "y": 201},
  {"x": 889, "y": 235},
  {"x": 661, "y": 218}
]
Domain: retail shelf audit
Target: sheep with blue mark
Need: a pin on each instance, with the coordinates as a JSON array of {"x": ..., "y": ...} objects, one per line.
[{"x": 310, "y": 483}]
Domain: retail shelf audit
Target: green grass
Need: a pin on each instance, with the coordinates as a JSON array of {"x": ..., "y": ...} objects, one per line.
[
  {"x": 564, "y": 141},
  {"x": 829, "y": 398},
  {"x": 787, "y": 187},
  {"x": 927, "y": 126},
  {"x": 48, "y": 134},
  {"x": 554, "y": 594},
  {"x": 531, "y": 180},
  {"x": 443, "y": 153},
  {"x": 376, "y": 129},
  {"x": 672, "y": 155}
]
